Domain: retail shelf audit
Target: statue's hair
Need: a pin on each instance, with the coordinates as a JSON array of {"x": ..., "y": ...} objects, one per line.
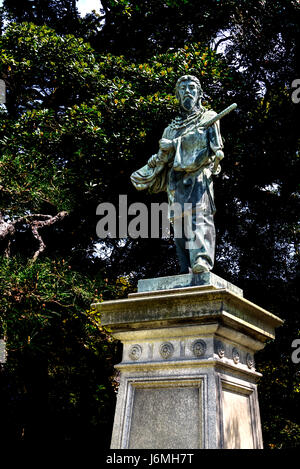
[{"x": 191, "y": 78}]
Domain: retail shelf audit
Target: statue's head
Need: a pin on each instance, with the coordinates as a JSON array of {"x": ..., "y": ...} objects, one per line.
[{"x": 189, "y": 93}]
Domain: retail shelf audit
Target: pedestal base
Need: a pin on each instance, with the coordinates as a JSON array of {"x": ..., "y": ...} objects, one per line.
[{"x": 188, "y": 378}]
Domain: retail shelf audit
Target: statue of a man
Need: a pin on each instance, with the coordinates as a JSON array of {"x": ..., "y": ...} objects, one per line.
[{"x": 189, "y": 155}]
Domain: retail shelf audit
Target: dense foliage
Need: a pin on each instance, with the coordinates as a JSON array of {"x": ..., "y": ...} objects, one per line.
[{"x": 87, "y": 101}]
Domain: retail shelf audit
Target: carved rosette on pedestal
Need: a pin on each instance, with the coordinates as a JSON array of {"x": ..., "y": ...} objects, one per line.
[
  {"x": 135, "y": 352},
  {"x": 166, "y": 350},
  {"x": 188, "y": 377}
]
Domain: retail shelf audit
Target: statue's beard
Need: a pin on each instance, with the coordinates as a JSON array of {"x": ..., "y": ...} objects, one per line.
[{"x": 189, "y": 104}]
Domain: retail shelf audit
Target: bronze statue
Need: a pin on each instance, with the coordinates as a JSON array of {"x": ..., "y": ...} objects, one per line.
[{"x": 189, "y": 155}]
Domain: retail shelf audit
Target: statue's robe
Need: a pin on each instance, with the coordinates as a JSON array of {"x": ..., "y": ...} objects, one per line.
[{"x": 185, "y": 173}]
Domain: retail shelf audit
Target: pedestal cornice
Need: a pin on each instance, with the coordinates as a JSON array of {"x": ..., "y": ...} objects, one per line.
[{"x": 173, "y": 309}]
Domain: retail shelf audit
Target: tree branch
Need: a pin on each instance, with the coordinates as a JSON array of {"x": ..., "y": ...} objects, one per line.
[
  {"x": 223, "y": 39},
  {"x": 35, "y": 222}
]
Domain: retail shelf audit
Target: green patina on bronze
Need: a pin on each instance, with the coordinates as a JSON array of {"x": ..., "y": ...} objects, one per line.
[{"x": 189, "y": 155}]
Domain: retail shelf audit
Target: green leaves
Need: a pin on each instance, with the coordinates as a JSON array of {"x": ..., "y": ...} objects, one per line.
[
  {"x": 80, "y": 119},
  {"x": 33, "y": 295},
  {"x": 38, "y": 64},
  {"x": 62, "y": 133}
]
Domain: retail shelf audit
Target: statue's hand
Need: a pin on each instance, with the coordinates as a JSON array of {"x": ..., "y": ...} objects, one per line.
[
  {"x": 152, "y": 161},
  {"x": 219, "y": 155},
  {"x": 165, "y": 144}
]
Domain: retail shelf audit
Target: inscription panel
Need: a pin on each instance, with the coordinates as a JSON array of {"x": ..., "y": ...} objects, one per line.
[
  {"x": 166, "y": 418},
  {"x": 237, "y": 426}
]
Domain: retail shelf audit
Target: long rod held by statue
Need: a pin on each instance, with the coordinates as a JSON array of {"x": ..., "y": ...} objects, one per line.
[
  {"x": 220, "y": 115},
  {"x": 215, "y": 119}
]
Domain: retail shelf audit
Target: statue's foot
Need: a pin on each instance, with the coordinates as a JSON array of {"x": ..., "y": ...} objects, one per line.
[{"x": 199, "y": 267}]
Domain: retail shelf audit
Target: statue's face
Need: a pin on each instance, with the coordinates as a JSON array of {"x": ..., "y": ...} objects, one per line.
[{"x": 188, "y": 95}]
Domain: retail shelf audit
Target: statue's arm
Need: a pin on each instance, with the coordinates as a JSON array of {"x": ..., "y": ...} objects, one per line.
[
  {"x": 216, "y": 145},
  {"x": 166, "y": 148}
]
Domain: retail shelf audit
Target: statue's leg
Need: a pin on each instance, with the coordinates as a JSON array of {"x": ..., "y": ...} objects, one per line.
[
  {"x": 180, "y": 243},
  {"x": 202, "y": 238}
]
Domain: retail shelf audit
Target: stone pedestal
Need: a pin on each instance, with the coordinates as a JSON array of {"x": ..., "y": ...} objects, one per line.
[
  {"x": 3, "y": 352},
  {"x": 188, "y": 376}
]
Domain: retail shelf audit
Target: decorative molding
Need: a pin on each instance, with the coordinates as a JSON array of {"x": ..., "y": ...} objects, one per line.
[
  {"x": 235, "y": 355},
  {"x": 250, "y": 360},
  {"x": 182, "y": 349},
  {"x": 150, "y": 351},
  {"x": 220, "y": 349},
  {"x": 135, "y": 352},
  {"x": 198, "y": 348},
  {"x": 166, "y": 350}
]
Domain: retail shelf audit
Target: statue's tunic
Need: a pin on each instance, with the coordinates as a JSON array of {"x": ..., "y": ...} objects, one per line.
[{"x": 185, "y": 172}]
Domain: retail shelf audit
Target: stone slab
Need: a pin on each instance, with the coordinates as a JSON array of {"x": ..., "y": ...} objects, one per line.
[
  {"x": 187, "y": 280},
  {"x": 237, "y": 421},
  {"x": 187, "y": 375},
  {"x": 186, "y": 308},
  {"x": 155, "y": 425},
  {"x": 3, "y": 352},
  {"x": 186, "y": 408}
]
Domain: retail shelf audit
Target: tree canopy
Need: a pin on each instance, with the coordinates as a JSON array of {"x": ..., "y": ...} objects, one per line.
[{"x": 87, "y": 101}]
